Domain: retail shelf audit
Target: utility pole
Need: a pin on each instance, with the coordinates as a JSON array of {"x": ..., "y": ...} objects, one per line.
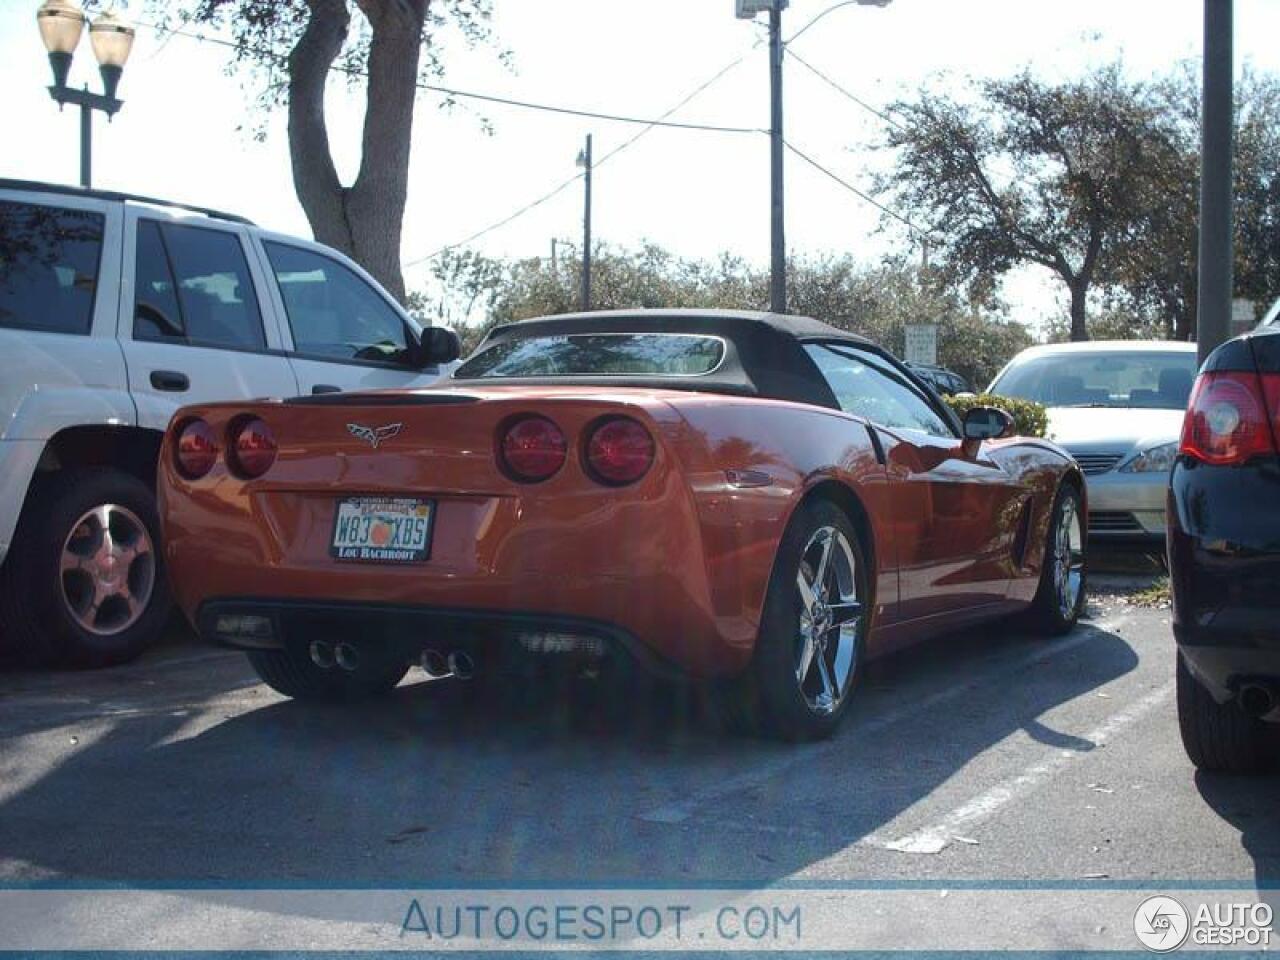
[
  {"x": 777, "y": 235},
  {"x": 553, "y": 256},
  {"x": 584, "y": 161},
  {"x": 1213, "y": 307}
]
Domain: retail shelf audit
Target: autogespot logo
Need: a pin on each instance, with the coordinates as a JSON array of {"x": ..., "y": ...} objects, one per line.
[{"x": 1161, "y": 923}]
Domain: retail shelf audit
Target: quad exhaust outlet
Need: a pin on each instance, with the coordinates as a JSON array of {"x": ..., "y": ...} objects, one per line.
[
  {"x": 326, "y": 655},
  {"x": 461, "y": 665},
  {"x": 1256, "y": 699}
]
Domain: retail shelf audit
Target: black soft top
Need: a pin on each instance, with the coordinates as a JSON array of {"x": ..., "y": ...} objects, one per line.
[{"x": 764, "y": 355}]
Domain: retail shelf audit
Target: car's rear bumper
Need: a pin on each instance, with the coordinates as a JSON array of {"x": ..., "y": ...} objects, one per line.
[
  {"x": 489, "y": 637},
  {"x": 1224, "y": 563},
  {"x": 1127, "y": 507}
]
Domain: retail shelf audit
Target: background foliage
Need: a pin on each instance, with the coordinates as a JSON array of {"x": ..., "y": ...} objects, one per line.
[{"x": 1029, "y": 417}]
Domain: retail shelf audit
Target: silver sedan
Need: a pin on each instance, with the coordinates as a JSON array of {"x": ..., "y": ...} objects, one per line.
[{"x": 1117, "y": 407}]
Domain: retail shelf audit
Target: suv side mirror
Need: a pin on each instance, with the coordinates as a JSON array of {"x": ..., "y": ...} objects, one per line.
[
  {"x": 439, "y": 345},
  {"x": 986, "y": 423}
]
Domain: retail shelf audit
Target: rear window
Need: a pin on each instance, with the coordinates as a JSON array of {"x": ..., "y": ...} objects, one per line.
[
  {"x": 1156, "y": 379},
  {"x": 48, "y": 267},
  {"x": 597, "y": 354}
]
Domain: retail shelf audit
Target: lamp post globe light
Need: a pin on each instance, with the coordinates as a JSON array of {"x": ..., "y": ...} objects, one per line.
[{"x": 61, "y": 25}]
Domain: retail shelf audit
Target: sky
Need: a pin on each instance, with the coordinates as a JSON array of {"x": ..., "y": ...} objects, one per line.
[{"x": 183, "y": 131}]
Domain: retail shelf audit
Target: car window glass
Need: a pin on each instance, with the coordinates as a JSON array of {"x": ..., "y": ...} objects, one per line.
[
  {"x": 1102, "y": 378},
  {"x": 333, "y": 312},
  {"x": 871, "y": 388},
  {"x": 598, "y": 354},
  {"x": 48, "y": 267},
  {"x": 215, "y": 294},
  {"x": 156, "y": 313}
]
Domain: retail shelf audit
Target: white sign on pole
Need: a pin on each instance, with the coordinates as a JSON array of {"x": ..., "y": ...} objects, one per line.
[
  {"x": 1244, "y": 315},
  {"x": 747, "y": 9},
  {"x": 921, "y": 343}
]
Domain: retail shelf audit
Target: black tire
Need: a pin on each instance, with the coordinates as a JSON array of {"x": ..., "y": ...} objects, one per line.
[
  {"x": 1046, "y": 614},
  {"x": 36, "y": 619},
  {"x": 767, "y": 699},
  {"x": 1219, "y": 737},
  {"x": 290, "y": 671}
]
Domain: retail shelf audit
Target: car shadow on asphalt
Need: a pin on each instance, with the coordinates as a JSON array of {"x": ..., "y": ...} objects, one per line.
[
  {"x": 439, "y": 785},
  {"x": 1252, "y": 806}
]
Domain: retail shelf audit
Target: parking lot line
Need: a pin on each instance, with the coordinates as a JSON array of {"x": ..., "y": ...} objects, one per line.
[
  {"x": 682, "y": 810},
  {"x": 939, "y": 835}
]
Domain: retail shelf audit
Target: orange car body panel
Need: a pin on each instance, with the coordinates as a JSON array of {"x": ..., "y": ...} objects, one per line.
[{"x": 679, "y": 560}]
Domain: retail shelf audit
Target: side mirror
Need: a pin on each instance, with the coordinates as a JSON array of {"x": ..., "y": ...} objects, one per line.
[
  {"x": 439, "y": 345},
  {"x": 986, "y": 423}
]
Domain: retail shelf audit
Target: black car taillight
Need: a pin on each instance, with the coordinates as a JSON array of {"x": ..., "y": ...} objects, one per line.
[
  {"x": 252, "y": 447},
  {"x": 619, "y": 451},
  {"x": 196, "y": 450},
  {"x": 1229, "y": 420}
]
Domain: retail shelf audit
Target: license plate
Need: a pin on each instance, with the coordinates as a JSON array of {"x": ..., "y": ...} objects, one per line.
[{"x": 382, "y": 529}]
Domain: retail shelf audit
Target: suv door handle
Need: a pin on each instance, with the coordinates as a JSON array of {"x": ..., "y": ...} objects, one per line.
[
  {"x": 325, "y": 388},
  {"x": 170, "y": 380}
]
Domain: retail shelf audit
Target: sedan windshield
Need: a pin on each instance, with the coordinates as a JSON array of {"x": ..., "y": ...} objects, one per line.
[
  {"x": 597, "y": 354},
  {"x": 1149, "y": 379}
]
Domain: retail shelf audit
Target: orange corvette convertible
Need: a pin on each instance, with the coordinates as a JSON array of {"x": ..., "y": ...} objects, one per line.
[{"x": 758, "y": 501}]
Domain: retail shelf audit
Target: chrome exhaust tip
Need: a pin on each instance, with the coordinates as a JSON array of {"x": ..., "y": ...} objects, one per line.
[
  {"x": 461, "y": 665},
  {"x": 1256, "y": 700},
  {"x": 434, "y": 664},
  {"x": 347, "y": 657},
  {"x": 321, "y": 652}
]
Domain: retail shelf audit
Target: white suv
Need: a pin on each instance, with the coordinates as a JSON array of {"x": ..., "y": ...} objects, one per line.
[{"x": 114, "y": 312}]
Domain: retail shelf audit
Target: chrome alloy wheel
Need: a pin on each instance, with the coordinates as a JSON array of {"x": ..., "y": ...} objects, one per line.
[
  {"x": 107, "y": 569},
  {"x": 830, "y": 620},
  {"x": 1068, "y": 558}
]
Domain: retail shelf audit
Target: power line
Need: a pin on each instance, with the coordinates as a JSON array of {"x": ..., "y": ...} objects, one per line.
[
  {"x": 499, "y": 224},
  {"x": 608, "y": 156},
  {"x": 856, "y": 99},
  {"x": 472, "y": 94},
  {"x": 854, "y": 190}
]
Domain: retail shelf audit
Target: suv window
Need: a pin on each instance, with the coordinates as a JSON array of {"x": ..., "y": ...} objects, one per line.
[
  {"x": 332, "y": 312},
  {"x": 48, "y": 267},
  {"x": 192, "y": 285},
  {"x": 870, "y": 387}
]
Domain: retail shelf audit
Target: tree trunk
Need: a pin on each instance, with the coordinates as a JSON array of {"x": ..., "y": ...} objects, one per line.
[
  {"x": 315, "y": 179},
  {"x": 363, "y": 220},
  {"x": 1079, "y": 293}
]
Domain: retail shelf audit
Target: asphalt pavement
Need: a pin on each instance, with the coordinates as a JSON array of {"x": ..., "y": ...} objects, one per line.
[{"x": 984, "y": 756}]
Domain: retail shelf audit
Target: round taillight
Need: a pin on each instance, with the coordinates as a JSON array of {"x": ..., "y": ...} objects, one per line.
[
  {"x": 253, "y": 448},
  {"x": 532, "y": 449},
  {"x": 197, "y": 450},
  {"x": 619, "y": 451}
]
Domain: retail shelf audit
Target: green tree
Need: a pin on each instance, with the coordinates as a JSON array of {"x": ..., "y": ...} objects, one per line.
[
  {"x": 1016, "y": 171},
  {"x": 291, "y": 47},
  {"x": 1153, "y": 277},
  {"x": 876, "y": 301}
]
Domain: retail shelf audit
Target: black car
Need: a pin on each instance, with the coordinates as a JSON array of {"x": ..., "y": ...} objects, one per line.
[
  {"x": 947, "y": 382},
  {"x": 1224, "y": 558}
]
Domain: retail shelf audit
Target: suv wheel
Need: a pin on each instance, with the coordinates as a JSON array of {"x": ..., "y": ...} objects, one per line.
[
  {"x": 83, "y": 582},
  {"x": 1219, "y": 736}
]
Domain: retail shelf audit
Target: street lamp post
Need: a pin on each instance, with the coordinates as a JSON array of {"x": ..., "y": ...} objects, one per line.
[
  {"x": 747, "y": 10},
  {"x": 1213, "y": 306},
  {"x": 61, "y": 25},
  {"x": 584, "y": 161}
]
